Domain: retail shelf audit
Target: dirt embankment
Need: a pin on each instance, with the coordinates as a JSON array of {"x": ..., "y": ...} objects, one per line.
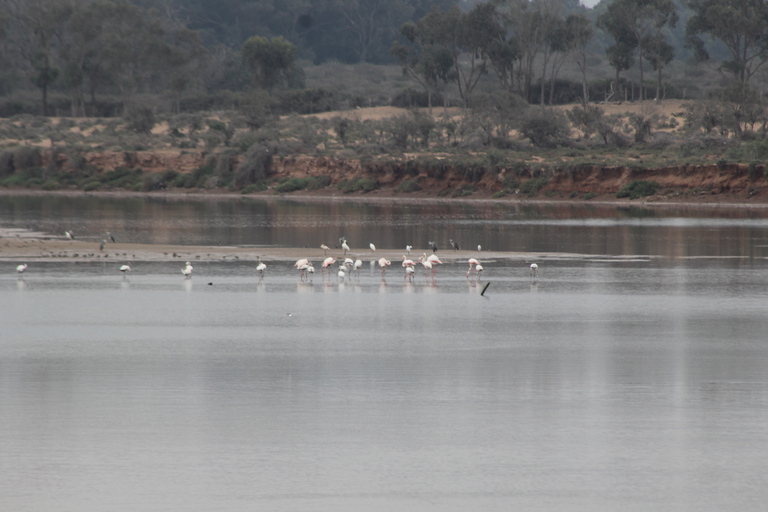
[{"x": 694, "y": 183}]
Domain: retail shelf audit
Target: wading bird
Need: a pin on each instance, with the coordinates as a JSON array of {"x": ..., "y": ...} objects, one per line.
[
  {"x": 21, "y": 268},
  {"x": 434, "y": 246},
  {"x": 472, "y": 261},
  {"x": 187, "y": 271},
  {"x": 373, "y": 247},
  {"x": 427, "y": 265},
  {"x": 384, "y": 263},
  {"x": 534, "y": 271},
  {"x": 261, "y": 267},
  {"x": 111, "y": 237},
  {"x": 409, "y": 271},
  {"x": 325, "y": 248},
  {"x": 356, "y": 267},
  {"x": 455, "y": 245},
  {"x": 125, "y": 268},
  {"x": 102, "y": 244},
  {"x": 303, "y": 270},
  {"x": 345, "y": 247},
  {"x": 327, "y": 262},
  {"x": 408, "y": 249},
  {"x": 70, "y": 235}
]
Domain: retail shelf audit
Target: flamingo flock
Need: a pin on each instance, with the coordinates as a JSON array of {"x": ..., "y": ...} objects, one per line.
[{"x": 348, "y": 267}]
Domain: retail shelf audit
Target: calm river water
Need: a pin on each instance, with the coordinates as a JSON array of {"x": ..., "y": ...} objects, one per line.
[{"x": 633, "y": 376}]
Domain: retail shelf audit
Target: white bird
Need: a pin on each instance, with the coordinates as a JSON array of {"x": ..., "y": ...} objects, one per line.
[
  {"x": 342, "y": 272},
  {"x": 427, "y": 265},
  {"x": 478, "y": 269},
  {"x": 408, "y": 262},
  {"x": 187, "y": 271},
  {"x": 432, "y": 258},
  {"x": 409, "y": 271},
  {"x": 535, "y": 270},
  {"x": 408, "y": 249},
  {"x": 327, "y": 262},
  {"x": 349, "y": 262},
  {"x": 384, "y": 263},
  {"x": 310, "y": 269},
  {"x": 325, "y": 248},
  {"x": 125, "y": 268},
  {"x": 472, "y": 261},
  {"x": 373, "y": 247},
  {"x": 261, "y": 267},
  {"x": 303, "y": 269},
  {"x": 302, "y": 261},
  {"x": 345, "y": 247},
  {"x": 102, "y": 244},
  {"x": 479, "y": 248},
  {"x": 70, "y": 235},
  {"x": 21, "y": 268},
  {"x": 356, "y": 267}
]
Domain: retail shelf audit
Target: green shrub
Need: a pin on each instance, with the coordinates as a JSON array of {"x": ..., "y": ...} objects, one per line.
[
  {"x": 318, "y": 182},
  {"x": 360, "y": 184},
  {"x": 589, "y": 195},
  {"x": 511, "y": 182},
  {"x": 91, "y": 185},
  {"x": 500, "y": 194},
  {"x": 255, "y": 187},
  {"x": 292, "y": 184},
  {"x": 408, "y": 186},
  {"x": 140, "y": 120},
  {"x": 638, "y": 189},
  {"x": 532, "y": 187}
]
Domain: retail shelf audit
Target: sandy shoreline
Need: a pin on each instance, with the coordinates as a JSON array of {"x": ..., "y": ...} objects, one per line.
[{"x": 19, "y": 246}]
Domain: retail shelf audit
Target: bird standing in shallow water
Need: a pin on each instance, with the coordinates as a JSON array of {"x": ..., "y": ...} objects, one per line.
[
  {"x": 534, "y": 271},
  {"x": 345, "y": 247},
  {"x": 125, "y": 268},
  {"x": 330, "y": 260},
  {"x": 187, "y": 271},
  {"x": 21, "y": 268},
  {"x": 261, "y": 267},
  {"x": 472, "y": 261},
  {"x": 383, "y": 263}
]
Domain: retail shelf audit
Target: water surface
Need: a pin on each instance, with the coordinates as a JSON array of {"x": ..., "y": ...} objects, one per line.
[{"x": 611, "y": 383}]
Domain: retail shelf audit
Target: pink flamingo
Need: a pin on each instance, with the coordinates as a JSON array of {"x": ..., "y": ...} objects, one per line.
[
  {"x": 384, "y": 263},
  {"x": 302, "y": 261},
  {"x": 408, "y": 262},
  {"x": 427, "y": 265},
  {"x": 330, "y": 260},
  {"x": 409, "y": 271},
  {"x": 304, "y": 268},
  {"x": 472, "y": 261}
]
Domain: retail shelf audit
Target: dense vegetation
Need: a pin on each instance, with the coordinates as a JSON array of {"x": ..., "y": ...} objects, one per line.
[{"x": 231, "y": 79}]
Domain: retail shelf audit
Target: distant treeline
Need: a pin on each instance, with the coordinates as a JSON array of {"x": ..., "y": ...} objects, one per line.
[{"x": 99, "y": 56}]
